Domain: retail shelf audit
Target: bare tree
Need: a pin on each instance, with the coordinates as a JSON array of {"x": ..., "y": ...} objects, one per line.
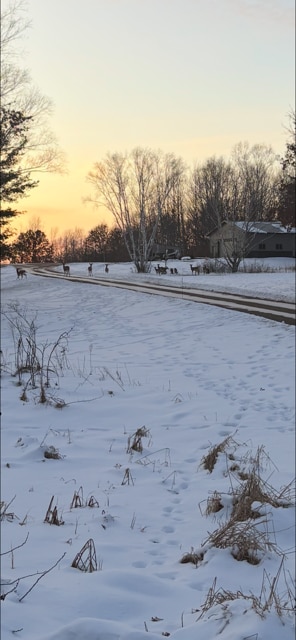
[
  {"x": 210, "y": 194},
  {"x": 242, "y": 190},
  {"x": 172, "y": 228},
  {"x": 72, "y": 245},
  {"x": 135, "y": 187},
  {"x": 19, "y": 93},
  {"x": 257, "y": 172}
]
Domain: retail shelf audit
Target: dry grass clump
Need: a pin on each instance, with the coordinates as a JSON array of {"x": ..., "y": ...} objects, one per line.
[
  {"x": 268, "y": 599},
  {"x": 4, "y": 513},
  {"x": 92, "y": 502},
  {"x": 219, "y": 597},
  {"x": 134, "y": 442},
  {"x": 79, "y": 502},
  {"x": 52, "y": 453},
  {"x": 210, "y": 459},
  {"x": 36, "y": 365},
  {"x": 193, "y": 557},
  {"x": 52, "y": 516},
  {"x": 255, "y": 489},
  {"x": 127, "y": 478},
  {"x": 86, "y": 560},
  {"x": 214, "y": 504},
  {"x": 244, "y": 539},
  {"x": 239, "y": 533}
]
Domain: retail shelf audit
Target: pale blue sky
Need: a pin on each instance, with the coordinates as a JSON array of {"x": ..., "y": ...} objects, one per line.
[{"x": 192, "y": 77}]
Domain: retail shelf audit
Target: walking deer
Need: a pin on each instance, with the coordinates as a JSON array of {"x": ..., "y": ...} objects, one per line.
[
  {"x": 195, "y": 270},
  {"x": 107, "y": 268},
  {"x": 21, "y": 273},
  {"x": 66, "y": 269},
  {"x": 90, "y": 269}
]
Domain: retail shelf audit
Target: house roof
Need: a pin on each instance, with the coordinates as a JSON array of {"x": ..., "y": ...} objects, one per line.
[{"x": 264, "y": 227}]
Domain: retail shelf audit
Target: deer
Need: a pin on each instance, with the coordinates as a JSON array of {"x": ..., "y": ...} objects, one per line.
[
  {"x": 107, "y": 268},
  {"x": 66, "y": 269},
  {"x": 195, "y": 270},
  {"x": 161, "y": 270},
  {"x": 21, "y": 272},
  {"x": 90, "y": 269},
  {"x": 206, "y": 268}
]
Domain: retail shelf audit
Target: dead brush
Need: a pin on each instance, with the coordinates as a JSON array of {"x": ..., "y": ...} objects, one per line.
[
  {"x": 92, "y": 502},
  {"x": 127, "y": 478},
  {"x": 255, "y": 489},
  {"x": 245, "y": 465},
  {"x": 214, "y": 504},
  {"x": 269, "y": 598},
  {"x": 52, "y": 453},
  {"x": 52, "y": 515},
  {"x": 244, "y": 539},
  {"x": 86, "y": 560},
  {"x": 209, "y": 461},
  {"x": 79, "y": 502},
  {"x": 134, "y": 442},
  {"x": 219, "y": 597},
  {"x": 193, "y": 557},
  {"x": 4, "y": 513}
]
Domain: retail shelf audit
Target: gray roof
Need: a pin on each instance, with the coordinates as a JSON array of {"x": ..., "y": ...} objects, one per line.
[{"x": 264, "y": 227}]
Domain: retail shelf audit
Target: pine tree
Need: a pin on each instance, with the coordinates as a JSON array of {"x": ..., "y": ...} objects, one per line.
[{"x": 14, "y": 180}]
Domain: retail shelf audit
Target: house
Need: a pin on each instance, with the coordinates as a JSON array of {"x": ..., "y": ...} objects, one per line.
[{"x": 253, "y": 240}]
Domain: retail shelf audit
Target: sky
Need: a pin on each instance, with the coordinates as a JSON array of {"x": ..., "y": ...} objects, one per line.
[
  {"x": 227, "y": 382},
  {"x": 191, "y": 77}
]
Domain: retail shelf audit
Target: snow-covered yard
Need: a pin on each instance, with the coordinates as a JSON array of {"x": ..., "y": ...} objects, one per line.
[{"x": 166, "y": 434}]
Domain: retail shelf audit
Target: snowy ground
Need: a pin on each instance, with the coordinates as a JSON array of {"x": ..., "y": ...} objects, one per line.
[
  {"x": 277, "y": 285},
  {"x": 190, "y": 376}
]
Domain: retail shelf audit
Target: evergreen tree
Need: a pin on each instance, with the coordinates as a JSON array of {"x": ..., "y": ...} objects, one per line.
[{"x": 14, "y": 181}]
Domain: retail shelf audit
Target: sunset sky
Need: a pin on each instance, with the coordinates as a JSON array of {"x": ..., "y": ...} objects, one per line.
[{"x": 192, "y": 77}]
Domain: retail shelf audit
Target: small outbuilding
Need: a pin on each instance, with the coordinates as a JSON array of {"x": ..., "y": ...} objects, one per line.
[{"x": 253, "y": 240}]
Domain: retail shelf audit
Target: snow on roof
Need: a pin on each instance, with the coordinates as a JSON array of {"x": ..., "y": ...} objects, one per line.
[{"x": 264, "y": 227}]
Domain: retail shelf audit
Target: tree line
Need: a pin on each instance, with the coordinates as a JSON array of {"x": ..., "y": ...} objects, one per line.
[
  {"x": 155, "y": 198},
  {"x": 157, "y": 201}
]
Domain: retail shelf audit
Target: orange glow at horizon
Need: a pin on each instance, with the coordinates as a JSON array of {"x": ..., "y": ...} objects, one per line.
[{"x": 58, "y": 201}]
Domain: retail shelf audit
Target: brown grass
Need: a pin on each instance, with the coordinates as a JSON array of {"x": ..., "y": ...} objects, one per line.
[
  {"x": 77, "y": 500},
  {"x": 86, "y": 560},
  {"x": 214, "y": 504},
  {"x": 255, "y": 489},
  {"x": 53, "y": 453},
  {"x": 210, "y": 459},
  {"x": 268, "y": 599},
  {"x": 244, "y": 539},
  {"x": 134, "y": 442},
  {"x": 192, "y": 557},
  {"x": 52, "y": 515}
]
